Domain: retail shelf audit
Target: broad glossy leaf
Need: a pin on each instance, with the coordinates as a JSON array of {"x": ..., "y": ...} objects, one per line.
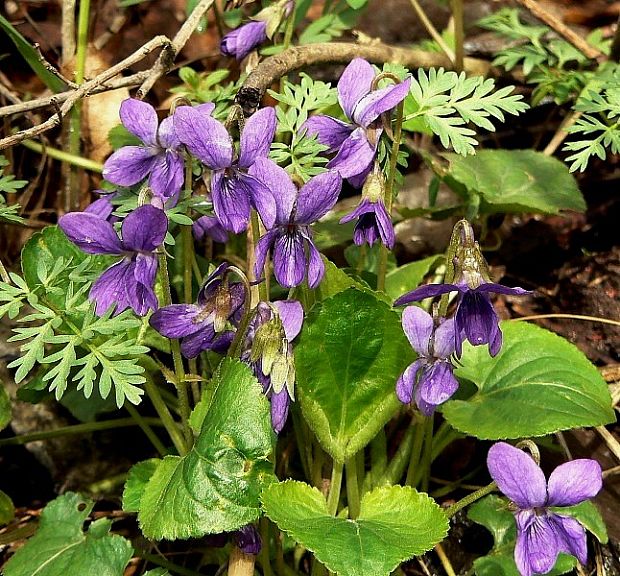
[
  {"x": 60, "y": 547},
  {"x": 350, "y": 353},
  {"x": 7, "y": 509},
  {"x": 538, "y": 384},
  {"x": 394, "y": 524},
  {"x": 518, "y": 181},
  {"x": 137, "y": 479},
  {"x": 5, "y": 407},
  {"x": 216, "y": 486},
  {"x": 409, "y": 276}
]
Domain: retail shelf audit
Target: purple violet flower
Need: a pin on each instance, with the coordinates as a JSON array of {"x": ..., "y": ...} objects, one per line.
[
  {"x": 356, "y": 141},
  {"x": 209, "y": 226},
  {"x": 290, "y": 235},
  {"x": 129, "y": 282},
  {"x": 241, "y": 41},
  {"x": 268, "y": 351},
  {"x": 160, "y": 158},
  {"x": 374, "y": 223},
  {"x": 202, "y": 325},
  {"x": 475, "y": 318},
  {"x": 233, "y": 190},
  {"x": 543, "y": 533},
  {"x": 248, "y": 539},
  {"x": 429, "y": 379}
]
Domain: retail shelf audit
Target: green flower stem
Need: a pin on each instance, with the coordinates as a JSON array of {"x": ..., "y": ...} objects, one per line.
[
  {"x": 440, "y": 442},
  {"x": 317, "y": 465},
  {"x": 389, "y": 193},
  {"x": 72, "y": 159},
  {"x": 396, "y": 468},
  {"x": 333, "y": 498},
  {"x": 378, "y": 459},
  {"x": 179, "y": 369},
  {"x": 264, "y": 551},
  {"x": 261, "y": 291},
  {"x": 166, "y": 418},
  {"x": 75, "y": 118},
  {"x": 353, "y": 488},
  {"x": 280, "y": 564},
  {"x": 459, "y": 34},
  {"x": 76, "y": 429},
  {"x": 424, "y": 471},
  {"x": 146, "y": 428},
  {"x": 470, "y": 499},
  {"x": 416, "y": 451},
  {"x": 290, "y": 27},
  {"x": 174, "y": 568}
]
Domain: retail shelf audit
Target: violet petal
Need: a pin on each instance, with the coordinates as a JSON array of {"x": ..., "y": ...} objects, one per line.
[
  {"x": 129, "y": 165},
  {"x": 355, "y": 154},
  {"x": 316, "y": 266},
  {"x": 140, "y": 118},
  {"x": 256, "y": 136},
  {"x": 375, "y": 103},
  {"x": 426, "y": 291},
  {"x": 443, "y": 342},
  {"x": 167, "y": 174},
  {"x": 355, "y": 82},
  {"x": 90, "y": 233},
  {"x": 260, "y": 197},
  {"x": 571, "y": 536},
  {"x": 176, "y": 320},
  {"x": 241, "y": 41},
  {"x": 211, "y": 227},
  {"x": 537, "y": 546},
  {"x": 437, "y": 383},
  {"x": 329, "y": 131},
  {"x": 111, "y": 287},
  {"x": 263, "y": 246},
  {"x": 166, "y": 134},
  {"x": 205, "y": 137},
  {"x": 517, "y": 475},
  {"x": 317, "y": 197},
  {"x": 231, "y": 203},
  {"x": 418, "y": 327},
  {"x": 140, "y": 292},
  {"x": 144, "y": 229},
  {"x": 289, "y": 260},
  {"x": 574, "y": 481},
  {"x": 406, "y": 382},
  {"x": 279, "y": 182},
  {"x": 291, "y": 313},
  {"x": 279, "y": 409}
]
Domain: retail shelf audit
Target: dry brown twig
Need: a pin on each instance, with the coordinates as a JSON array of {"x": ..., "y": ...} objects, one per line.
[{"x": 84, "y": 90}]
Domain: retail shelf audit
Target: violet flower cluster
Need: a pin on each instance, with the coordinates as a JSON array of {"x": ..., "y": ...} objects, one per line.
[
  {"x": 128, "y": 283},
  {"x": 475, "y": 320},
  {"x": 542, "y": 530}
]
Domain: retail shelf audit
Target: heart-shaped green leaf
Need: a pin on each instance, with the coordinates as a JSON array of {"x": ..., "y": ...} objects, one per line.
[
  {"x": 60, "y": 547},
  {"x": 394, "y": 524},
  {"x": 215, "y": 487},
  {"x": 538, "y": 384},
  {"x": 350, "y": 353}
]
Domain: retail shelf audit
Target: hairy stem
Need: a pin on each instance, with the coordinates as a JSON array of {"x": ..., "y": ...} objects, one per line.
[
  {"x": 353, "y": 488},
  {"x": 333, "y": 498},
  {"x": 470, "y": 499}
]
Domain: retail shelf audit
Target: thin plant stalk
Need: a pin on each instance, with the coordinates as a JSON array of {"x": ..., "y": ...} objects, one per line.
[
  {"x": 333, "y": 498},
  {"x": 430, "y": 28},
  {"x": 264, "y": 551},
  {"x": 63, "y": 156},
  {"x": 470, "y": 499},
  {"x": 84, "y": 428},
  {"x": 416, "y": 451},
  {"x": 459, "y": 35},
  {"x": 396, "y": 468},
  {"x": 353, "y": 488},
  {"x": 424, "y": 472},
  {"x": 179, "y": 369},
  {"x": 389, "y": 193},
  {"x": 146, "y": 428},
  {"x": 163, "y": 412},
  {"x": 240, "y": 563}
]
